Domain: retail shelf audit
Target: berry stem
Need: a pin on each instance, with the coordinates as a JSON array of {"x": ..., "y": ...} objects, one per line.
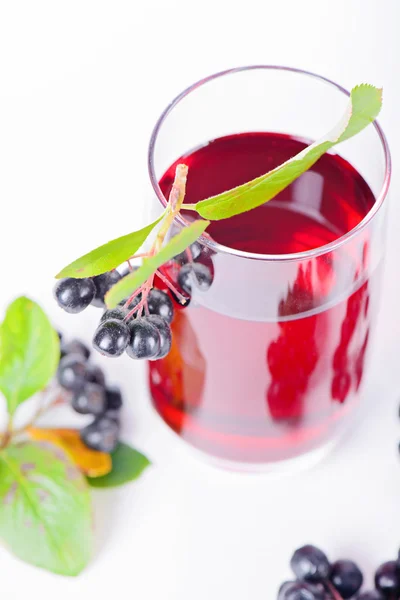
[
  {"x": 175, "y": 201},
  {"x": 189, "y": 254},
  {"x": 171, "y": 286},
  {"x": 132, "y": 297},
  {"x": 178, "y": 189},
  {"x": 8, "y": 433},
  {"x": 332, "y": 590},
  {"x": 5, "y": 439},
  {"x": 59, "y": 398},
  {"x": 141, "y": 255}
]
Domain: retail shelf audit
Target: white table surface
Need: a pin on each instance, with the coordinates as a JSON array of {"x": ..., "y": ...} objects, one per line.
[{"x": 81, "y": 85}]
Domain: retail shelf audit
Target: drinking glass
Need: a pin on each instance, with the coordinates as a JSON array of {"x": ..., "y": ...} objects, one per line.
[{"x": 304, "y": 317}]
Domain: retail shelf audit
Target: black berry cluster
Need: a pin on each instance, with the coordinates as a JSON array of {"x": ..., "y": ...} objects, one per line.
[
  {"x": 318, "y": 579},
  {"x": 90, "y": 395},
  {"x": 140, "y": 325},
  {"x": 147, "y": 336}
]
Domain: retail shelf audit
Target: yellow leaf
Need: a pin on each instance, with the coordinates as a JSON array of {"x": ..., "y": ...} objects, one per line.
[{"x": 90, "y": 462}]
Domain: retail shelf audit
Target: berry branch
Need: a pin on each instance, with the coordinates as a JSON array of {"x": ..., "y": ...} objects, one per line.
[
  {"x": 332, "y": 590},
  {"x": 140, "y": 320},
  {"x": 176, "y": 198},
  {"x": 11, "y": 433},
  {"x": 61, "y": 397}
]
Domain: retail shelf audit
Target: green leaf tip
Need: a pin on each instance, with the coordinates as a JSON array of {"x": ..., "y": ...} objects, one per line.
[
  {"x": 363, "y": 108},
  {"x": 126, "y": 286},
  {"x": 109, "y": 255}
]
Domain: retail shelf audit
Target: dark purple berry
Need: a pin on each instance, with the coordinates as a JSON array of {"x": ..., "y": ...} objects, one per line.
[
  {"x": 76, "y": 347},
  {"x": 71, "y": 372},
  {"x": 74, "y": 295},
  {"x": 101, "y": 435},
  {"x": 373, "y": 595},
  {"x": 113, "y": 398},
  {"x": 115, "y": 415},
  {"x": 90, "y": 400},
  {"x": 197, "y": 274},
  {"x": 300, "y": 590},
  {"x": 310, "y": 564},
  {"x": 118, "y": 313},
  {"x": 165, "y": 335},
  {"x": 387, "y": 579},
  {"x": 124, "y": 270},
  {"x": 111, "y": 338},
  {"x": 145, "y": 339},
  {"x": 346, "y": 577},
  {"x": 160, "y": 304},
  {"x": 195, "y": 250},
  {"x": 95, "y": 375},
  {"x": 102, "y": 284}
]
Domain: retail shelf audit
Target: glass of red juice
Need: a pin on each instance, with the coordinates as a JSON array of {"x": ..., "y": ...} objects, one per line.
[{"x": 268, "y": 365}]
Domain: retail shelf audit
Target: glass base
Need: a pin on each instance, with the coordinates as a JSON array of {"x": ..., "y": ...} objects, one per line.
[{"x": 285, "y": 467}]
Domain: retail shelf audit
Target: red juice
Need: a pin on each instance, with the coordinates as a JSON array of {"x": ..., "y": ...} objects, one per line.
[{"x": 261, "y": 391}]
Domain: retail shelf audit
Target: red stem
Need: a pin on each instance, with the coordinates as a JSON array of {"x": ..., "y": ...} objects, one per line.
[
  {"x": 142, "y": 255},
  {"x": 189, "y": 254},
  {"x": 131, "y": 298},
  {"x": 332, "y": 590},
  {"x": 171, "y": 286}
]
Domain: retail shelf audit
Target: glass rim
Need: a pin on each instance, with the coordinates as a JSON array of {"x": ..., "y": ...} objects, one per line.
[{"x": 220, "y": 248}]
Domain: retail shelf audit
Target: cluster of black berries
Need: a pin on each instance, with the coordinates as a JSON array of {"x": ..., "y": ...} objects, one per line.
[
  {"x": 318, "y": 579},
  {"x": 120, "y": 329},
  {"x": 147, "y": 337},
  {"x": 90, "y": 396}
]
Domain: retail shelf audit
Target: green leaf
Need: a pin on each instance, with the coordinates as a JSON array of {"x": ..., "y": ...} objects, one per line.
[
  {"x": 45, "y": 508},
  {"x": 110, "y": 255},
  {"x": 126, "y": 286},
  {"x": 127, "y": 464},
  {"x": 364, "y": 106},
  {"x": 29, "y": 352}
]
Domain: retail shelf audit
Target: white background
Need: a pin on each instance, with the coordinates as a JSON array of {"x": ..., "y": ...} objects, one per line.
[{"x": 81, "y": 85}]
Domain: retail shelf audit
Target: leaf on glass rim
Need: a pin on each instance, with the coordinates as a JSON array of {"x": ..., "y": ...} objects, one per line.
[
  {"x": 45, "y": 508},
  {"x": 127, "y": 464},
  {"x": 90, "y": 462},
  {"x": 108, "y": 256},
  {"x": 29, "y": 352},
  {"x": 363, "y": 108},
  {"x": 126, "y": 286}
]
